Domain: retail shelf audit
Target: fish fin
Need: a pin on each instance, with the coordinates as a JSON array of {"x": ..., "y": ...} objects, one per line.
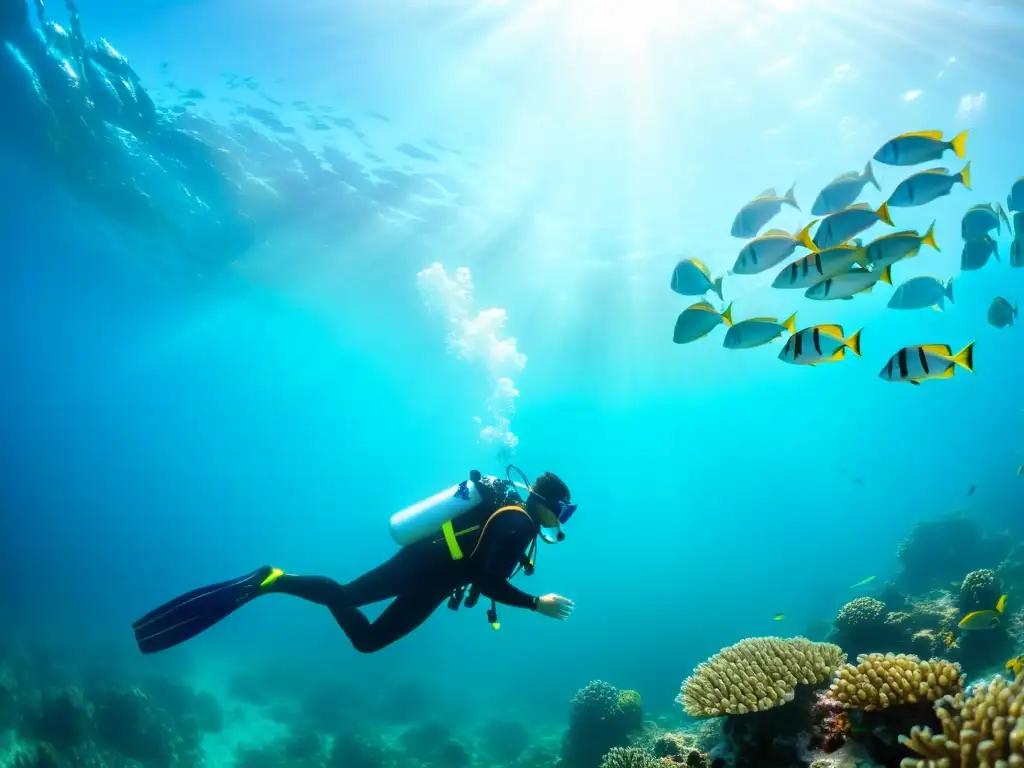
[
  {"x": 869, "y": 175},
  {"x": 861, "y": 256},
  {"x": 883, "y": 213},
  {"x": 937, "y": 135},
  {"x": 701, "y": 266},
  {"x": 727, "y": 316},
  {"x": 716, "y": 286},
  {"x": 804, "y": 237},
  {"x": 836, "y": 356},
  {"x": 946, "y": 374},
  {"x": 937, "y": 307},
  {"x": 770, "y": 192},
  {"x": 995, "y": 252},
  {"x": 949, "y": 290},
  {"x": 929, "y": 238},
  {"x": 835, "y": 331},
  {"x": 915, "y": 382},
  {"x": 941, "y": 350},
  {"x": 790, "y": 323},
  {"x": 790, "y": 199},
  {"x": 865, "y": 290},
  {"x": 959, "y": 144},
  {"x": 965, "y": 358},
  {"x": 1001, "y": 605},
  {"x": 965, "y": 175},
  {"x": 854, "y": 343},
  {"x": 776, "y": 232},
  {"x": 1002, "y": 215},
  {"x": 857, "y": 207},
  {"x": 886, "y": 276}
]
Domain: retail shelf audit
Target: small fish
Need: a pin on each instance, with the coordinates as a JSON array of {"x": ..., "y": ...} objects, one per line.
[
  {"x": 759, "y": 211},
  {"x": 849, "y": 284},
  {"x": 927, "y": 361},
  {"x": 691, "y": 277},
  {"x": 863, "y": 582},
  {"x": 1015, "y": 200},
  {"x": 919, "y": 147},
  {"x": 843, "y": 191},
  {"x": 1017, "y": 252},
  {"x": 815, "y": 267},
  {"x": 842, "y": 226},
  {"x": 921, "y": 293},
  {"x": 698, "y": 320},
  {"x": 819, "y": 344},
  {"x": 986, "y": 619},
  {"x": 778, "y": 617},
  {"x": 770, "y": 249},
  {"x": 976, "y": 253},
  {"x": 886, "y": 250},
  {"x": 971, "y": 490},
  {"x": 1015, "y": 665},
  {"x": 757, "y": 331},
  {"x": 1001, "y": 314},
  {"x": 923, "y": 187},
  {"x": 982, "y": 219}
]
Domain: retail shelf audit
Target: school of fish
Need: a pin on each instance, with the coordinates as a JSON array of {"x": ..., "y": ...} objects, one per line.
[{"x": 838, "y": 265}]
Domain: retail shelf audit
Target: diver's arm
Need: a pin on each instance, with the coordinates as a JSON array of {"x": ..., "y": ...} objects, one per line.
[{"x": 505, "y": 546}]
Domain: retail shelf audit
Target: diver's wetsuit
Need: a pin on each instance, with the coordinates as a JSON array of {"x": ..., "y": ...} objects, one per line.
[{"x": 422, "y": 576}]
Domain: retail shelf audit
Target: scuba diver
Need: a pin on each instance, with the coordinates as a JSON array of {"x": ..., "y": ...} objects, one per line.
[{"x": 463, "y": 542}]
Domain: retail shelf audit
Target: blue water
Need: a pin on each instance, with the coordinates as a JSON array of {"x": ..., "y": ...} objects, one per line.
[{"x": 167, "y": 423}]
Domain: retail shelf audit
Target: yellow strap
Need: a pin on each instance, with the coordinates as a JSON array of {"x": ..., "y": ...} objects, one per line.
[
  {"x": 480, "y": 538},
  {"x": 451, "y": 540}
]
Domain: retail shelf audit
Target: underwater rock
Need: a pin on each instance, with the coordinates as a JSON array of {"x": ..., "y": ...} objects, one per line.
[
  {"x": 434, "y": 743},
  {"x": 979, "y": 591},
  {"x": 773, "y": 738},
  {"x": 504, "y": 741},
  {"x": 355, "y": 750},
  {"x": 64, "y": 720},
  {"x": 600, "y": 719},
  {"x": 938, "y": 552}
]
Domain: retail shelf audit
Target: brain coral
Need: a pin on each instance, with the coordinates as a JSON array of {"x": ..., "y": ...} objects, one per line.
[
  {"x": 756, "y": 674},
  {"x": 859, "y": 613},
  {"x": 880, "y": 681},
  {"x": 986, "y": 729},
  {"x": 979, "y": 590}
]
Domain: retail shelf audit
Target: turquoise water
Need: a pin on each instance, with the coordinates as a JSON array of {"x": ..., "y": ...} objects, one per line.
[{"x": 174, "y": 415}]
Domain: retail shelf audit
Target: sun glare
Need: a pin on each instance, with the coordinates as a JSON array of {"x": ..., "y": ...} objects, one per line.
[{"x": 628, "y": 24}]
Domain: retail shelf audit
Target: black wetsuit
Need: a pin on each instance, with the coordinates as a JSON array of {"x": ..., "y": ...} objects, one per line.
[{"x": 422, "y": 576}]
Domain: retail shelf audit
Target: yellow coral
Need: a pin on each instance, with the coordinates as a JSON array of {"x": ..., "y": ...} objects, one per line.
[
  {"x": 879, "y": 681},
  {"x": 986, "y": 729},
  {"x": 756, "y": 674}
]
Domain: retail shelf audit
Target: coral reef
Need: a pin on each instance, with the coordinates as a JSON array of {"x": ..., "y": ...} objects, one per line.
[
  {"x": 756, "y": 674},
  {"x": 601, "y": 718},
  {"x": 880, "y": 681},
  {"x": 938, "y": 552},
  {"x": 979, "y": 591},
  {"x": 628, "y": 757}
]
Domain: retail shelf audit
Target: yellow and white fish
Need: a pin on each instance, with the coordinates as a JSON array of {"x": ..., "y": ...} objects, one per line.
[
  {"x": 976, "y": 253},
  {"x": 1015, "y": 200},
  {"x": 927, "y": 361},
  {"x": 886, "y": 250},
  {"x": 842, "y": 226},
  {"x": 843, "y": 191},
  {"x": 849, "y": 284},
  {"x": 920, "y": 147},
  {"x": 815, "y": 267},
  {"x": 924, "y": 187},
  {"x": 1015, "y": 665},
  {"x": 819, "y": 344},
  {"x": 698, "y": 320},
  {"x": 986, "y": 619},
  {"x": 982, "y": 219},
  {"x": 770, "y": 249},
  {"x": 1017, "y": 251},
  {"x": 759, "y": 211},
  {"x": 1001, "y": 313},
  {"x": 756, "y": 331},
  {"x": 863, "y": 582},
  {"x": 691, "y": 277},
  {"x": 921, "y": 293}
]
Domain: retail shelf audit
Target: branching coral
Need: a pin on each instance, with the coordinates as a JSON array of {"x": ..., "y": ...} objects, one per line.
[
  {"x": 628, "y": 757},
  {"x": 880, "y": 681},
  {"x": 757, "y": 674},
  {"x": 985, "y": 729}
]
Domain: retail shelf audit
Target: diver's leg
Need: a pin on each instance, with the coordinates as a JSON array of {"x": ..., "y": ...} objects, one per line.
[
  {"x": 406, "y": 613},
  {"x": 387, "y": 580},
  {"x": 186, "y": 616}
]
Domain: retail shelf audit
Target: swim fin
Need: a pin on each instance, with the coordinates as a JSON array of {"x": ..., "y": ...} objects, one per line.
[{"x": 186, "y": 616}]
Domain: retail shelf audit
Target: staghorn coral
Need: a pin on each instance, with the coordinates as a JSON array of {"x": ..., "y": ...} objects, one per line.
[
  {"x": 880, "y": 681},
  {"x": 979, "y": 591},
  {"x": 756, "y": 674},
  {"x": 628, "y": 757},
  {"x": 985, "y": 729}
]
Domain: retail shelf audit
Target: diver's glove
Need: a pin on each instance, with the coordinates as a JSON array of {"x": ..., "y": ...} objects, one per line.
[{"x": 554, "y": 606}]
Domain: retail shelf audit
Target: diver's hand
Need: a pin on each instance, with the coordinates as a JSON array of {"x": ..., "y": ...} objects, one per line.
[{"x": 555, "y": 606}]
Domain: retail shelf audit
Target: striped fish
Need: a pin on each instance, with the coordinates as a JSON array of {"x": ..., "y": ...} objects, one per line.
[
  {"x": 698, "y": 320},
  {"x": 849, "y": 284},
  {"x": 819, "y": 344},
  {"x": 815, "y": 267},
  {"x": 888, "y": 249},
  {"x": 927, "y": 361}
]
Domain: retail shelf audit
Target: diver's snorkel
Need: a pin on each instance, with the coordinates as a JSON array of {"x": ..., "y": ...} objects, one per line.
[{"x": 565, "y": 510}]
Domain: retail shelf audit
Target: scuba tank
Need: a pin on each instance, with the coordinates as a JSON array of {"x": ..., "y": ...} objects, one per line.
[{"x": 425, "y": 518}]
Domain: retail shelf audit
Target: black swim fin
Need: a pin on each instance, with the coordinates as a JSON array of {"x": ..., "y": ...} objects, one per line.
[{"x": 186, "y": 616}]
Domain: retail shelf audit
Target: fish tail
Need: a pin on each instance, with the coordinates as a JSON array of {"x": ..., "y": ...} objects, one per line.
[
  {"x": 853, "y": 343},
  {"x": 965, "y": 175},
  {"x": 929, "y": 238},
  {"x": 790, "y": 323},
  {"x": 959, "y": 144},
  {"x": 1001, "y": 605},
  {"x": 861, "y": 256},
  {"x": 995, "y": 252},
  {"x": 965, "y": 358},
  {"x": 869, "y": 175},
  {"x": 716, "y": 286},
  {"x": 883, "y": 213},
  {"x": 949, "y": 290},
  {"x": 790, "y": 197},
  {"x": 886, "y": 276},
  {"x": 804, "y": 237},
  {"x": 727, "y": 316}
]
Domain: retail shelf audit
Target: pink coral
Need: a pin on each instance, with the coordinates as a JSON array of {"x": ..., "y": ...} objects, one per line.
[{"x": 831, "y": 724}]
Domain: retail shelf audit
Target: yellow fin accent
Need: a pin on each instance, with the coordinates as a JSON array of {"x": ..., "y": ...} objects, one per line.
[
  {"x": 929, "y": 238},
  {"x": 942, "y": 350},
  {"x": 760, "y": 320},
  {"x": 804, "y": 237},
  {"x": 275, "y": 574},
  {"x": 701, "y": 266},
  {"x": 835, "y": 331},
  {"x": 790, "y": 323},
  {"x": 946, "y": 374},
  {"x": 854, "y": 343},
  {"x": 777, "y": 232},
  {"x": 959, "y": 144},
  {"x": 965, "y": 175},
  {"x": 937, "y": 308},
  {"x": 883, "y": 214},
  {"x": 965, "y": 358},
  {"x": 886, "y": 276},
  {"x": 1001, "y": 605},
  {"x": 857, "y": 207},
  {"x": 838, "y": 355},
  {"x": 727, "y": 316},
  {"x": 861, "y": 256},
  {"x": 937, "y": 135}
]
